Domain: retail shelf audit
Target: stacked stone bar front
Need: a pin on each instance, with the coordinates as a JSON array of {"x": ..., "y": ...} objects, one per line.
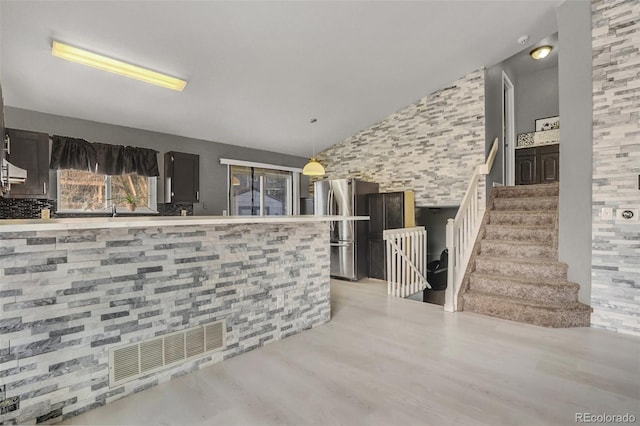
[{"x": 67, "y": 297}]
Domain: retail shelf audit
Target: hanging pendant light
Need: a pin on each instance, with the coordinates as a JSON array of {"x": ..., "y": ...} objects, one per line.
[{"x": 313, "y": 167}]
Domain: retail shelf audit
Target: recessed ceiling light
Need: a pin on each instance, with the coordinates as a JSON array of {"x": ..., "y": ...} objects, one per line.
[
  {"x": 115, "y": 66},
  {"x": 541, "y": 52}
]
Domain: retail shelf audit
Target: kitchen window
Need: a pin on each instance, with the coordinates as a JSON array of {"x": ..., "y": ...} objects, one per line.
[
  {"x": 86, "y": 192},
  {"x": 262, "y": 189}
]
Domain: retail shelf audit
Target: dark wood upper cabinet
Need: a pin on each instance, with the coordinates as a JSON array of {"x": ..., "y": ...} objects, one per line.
[
  {"x": 182, "y": 177},
  {"x": 538, "y": 165},
  {"x": 30, "y": 151}
]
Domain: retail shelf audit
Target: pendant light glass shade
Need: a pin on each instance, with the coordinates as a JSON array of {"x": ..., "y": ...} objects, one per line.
[{"x": 313, "y": 168}]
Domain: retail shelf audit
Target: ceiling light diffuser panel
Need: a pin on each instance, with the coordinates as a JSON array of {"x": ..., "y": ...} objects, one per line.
[{"x": 94, "y": 60}]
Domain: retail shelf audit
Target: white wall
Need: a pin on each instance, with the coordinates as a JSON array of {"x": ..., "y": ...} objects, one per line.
[
  {"x": 536, "y": 97},
  {"x": 574, "y": 72},
  {"x": 493, "y": 117},
  {"x": 213, "y": 175}
]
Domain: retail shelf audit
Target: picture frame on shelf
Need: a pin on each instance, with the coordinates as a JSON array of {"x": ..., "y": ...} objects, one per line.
[{"x": 548, "y": 123}]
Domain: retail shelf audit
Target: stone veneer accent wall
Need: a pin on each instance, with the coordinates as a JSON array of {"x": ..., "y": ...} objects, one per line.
[
  {"x": 67, "y": 297},
  {"x": 615, "y": 288},
  {"x": 430, "y": 147}
]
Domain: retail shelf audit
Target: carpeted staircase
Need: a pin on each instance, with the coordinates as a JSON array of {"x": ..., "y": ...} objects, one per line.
[{"x": 515, "y": 273}]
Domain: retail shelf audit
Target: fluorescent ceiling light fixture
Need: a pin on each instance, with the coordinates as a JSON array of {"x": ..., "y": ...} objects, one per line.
[
  {"x": 541, "y": 52},
  {"x": 115, "y": 66}
]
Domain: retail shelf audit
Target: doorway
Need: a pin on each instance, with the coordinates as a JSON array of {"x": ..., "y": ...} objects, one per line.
[{"x": 508, "y": 131}]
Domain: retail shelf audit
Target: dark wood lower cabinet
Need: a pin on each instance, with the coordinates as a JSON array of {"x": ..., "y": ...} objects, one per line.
[
  {"x": 538, "y": 165},
  {"x": 377, "y": 264},
  {"x": 550, "y": 166},
  {"x": 526, "y": 168}
]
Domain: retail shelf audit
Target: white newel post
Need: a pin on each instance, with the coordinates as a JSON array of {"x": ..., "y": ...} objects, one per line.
[{"x": 449, "y": 304}]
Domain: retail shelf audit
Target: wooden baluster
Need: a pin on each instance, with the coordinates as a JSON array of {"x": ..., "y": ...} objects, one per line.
[
  {"x": 393, "y": 270},
  {"x": 398, "y": 269},
  {"x": 423, "y": 253},
  {"x": 388, "y": 260},
  {"x": 414, "y": 278},
  {"x": 420, "y": 254},
  {"x": 409, "y": 269},
  {"x": 407, "y": 280},
  {"x": 403, "y": 266}
]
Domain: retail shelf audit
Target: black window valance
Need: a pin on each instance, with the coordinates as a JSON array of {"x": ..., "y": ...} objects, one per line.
[{"x": 101, "y": 158}]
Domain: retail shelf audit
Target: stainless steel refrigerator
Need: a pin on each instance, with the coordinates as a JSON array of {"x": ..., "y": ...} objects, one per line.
[{"x": 345, "y": 197}]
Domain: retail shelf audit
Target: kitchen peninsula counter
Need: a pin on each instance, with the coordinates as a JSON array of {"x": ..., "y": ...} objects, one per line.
[
  {"x": 73, "y": 290},
  {"x": 16, "y": 225}
]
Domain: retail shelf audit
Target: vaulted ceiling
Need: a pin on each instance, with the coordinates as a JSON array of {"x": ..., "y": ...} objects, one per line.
[{"x": 257, "y": 71}]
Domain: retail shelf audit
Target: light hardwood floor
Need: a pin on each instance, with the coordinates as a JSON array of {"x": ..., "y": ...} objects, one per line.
[{"x": 388, "y": 361}]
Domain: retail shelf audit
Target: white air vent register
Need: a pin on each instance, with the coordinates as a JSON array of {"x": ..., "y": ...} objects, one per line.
[{"x": 129, "y": 362}]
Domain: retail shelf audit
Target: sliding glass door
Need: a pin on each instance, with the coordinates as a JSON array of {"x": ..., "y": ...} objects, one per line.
[{"x": 256, "y": 191}]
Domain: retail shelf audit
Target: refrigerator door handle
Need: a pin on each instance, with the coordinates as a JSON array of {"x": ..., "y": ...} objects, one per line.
[
  {"x": 343, "y": 244},
  {"x": 332, "y": 200},
  {"x": 330, "y": 209}
]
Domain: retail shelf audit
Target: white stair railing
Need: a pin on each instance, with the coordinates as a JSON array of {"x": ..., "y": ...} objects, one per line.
[
  {"x": 406, "y": 260},
  {"x": 462, "y": 231}
]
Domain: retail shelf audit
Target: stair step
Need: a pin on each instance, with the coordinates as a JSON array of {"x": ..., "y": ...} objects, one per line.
[
  {"x": 538, "y": 269},
  {"x": 522, "y": 249},
  {"x": 530, "y": 203},
  {"x": 522, "y": 217},
  {"x": 550, "y": 290},
  {"x": 542, "y": 190},
  {"x": 516, "y": 275},
  {"x": 571, "y": 314},
  {"x": 519, "y": 233}
]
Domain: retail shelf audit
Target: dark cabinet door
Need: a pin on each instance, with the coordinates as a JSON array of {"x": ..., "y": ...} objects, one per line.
[
  {"x": 182, "y": 172},
  {"x": 394, "y": 210},
  {"x": 376, "y": 259},
  {"x": 386, "y": 211},
  {"x": 549, "y": 164},
  {"x": 538, "y": 165},
  {"x": 376, "y": 213},
  {"x": 30, "y": 151},
  {"x": 526, "y": 167}
]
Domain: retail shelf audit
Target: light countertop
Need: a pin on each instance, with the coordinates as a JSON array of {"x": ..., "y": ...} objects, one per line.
[{"x": 22, "y": 225}]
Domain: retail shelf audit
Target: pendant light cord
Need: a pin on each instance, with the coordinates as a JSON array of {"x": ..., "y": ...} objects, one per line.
[{"x": 313, "y": 140}]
